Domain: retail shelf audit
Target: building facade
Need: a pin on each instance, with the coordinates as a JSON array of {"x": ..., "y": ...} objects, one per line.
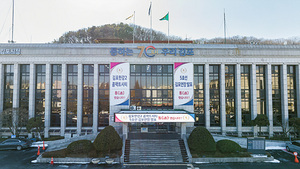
[{"x": 81, "y": 88}]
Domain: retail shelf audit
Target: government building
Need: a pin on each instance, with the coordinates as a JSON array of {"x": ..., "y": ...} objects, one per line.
[{"x": 151, "y": 88}]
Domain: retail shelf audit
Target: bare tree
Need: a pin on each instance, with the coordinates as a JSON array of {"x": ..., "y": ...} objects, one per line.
[{"x": 14, "y": 119}]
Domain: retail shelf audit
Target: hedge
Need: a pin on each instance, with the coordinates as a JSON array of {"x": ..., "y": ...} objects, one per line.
[
  {"x": 80, "y": 147},
  {"x": 108, "y": 140},
  {"x": 201, "y": 140},
  {"x": 228, "y": 146}
]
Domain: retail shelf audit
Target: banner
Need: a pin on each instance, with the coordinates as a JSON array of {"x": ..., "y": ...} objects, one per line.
[
  {"x": 119, "y": 84},
  {"x": 183, "y": 84},
  {"x": 159, "y": 118}
]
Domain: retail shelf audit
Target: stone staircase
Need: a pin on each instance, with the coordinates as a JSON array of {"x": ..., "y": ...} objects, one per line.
[{"x": 155, "y": 151}]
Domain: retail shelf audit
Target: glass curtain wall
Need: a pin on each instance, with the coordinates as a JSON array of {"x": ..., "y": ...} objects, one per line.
[
  {"x": 24, "y": 86},
  {"x": 214, "y": 90},
  {"x": 261, "y": 89},
  {"x": 8, "y": 86},
  {"x": 276, "y": 96},
  {"x": 88, "y": 95},
  {"x": 230, "y": 95},
  {"x": 56, "y": 96},
  {"x": 103, "y": 119},
  {"x": 291, "y": 87},
  {"x": 151, "y": 86},
  {"x": 245, "y": 95},
  {"x": 72, "y": 95},
  {"x": 40, "y": 91},
  {"x": 199, "y": 95}
]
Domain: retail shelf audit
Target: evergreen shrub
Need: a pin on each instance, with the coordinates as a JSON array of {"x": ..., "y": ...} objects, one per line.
[
  {"x": 108, "y": 140},
  {"x": 228, "y": 146},
  {"x": 80, "y": 147},
  {"x": 201, "y": 140}
]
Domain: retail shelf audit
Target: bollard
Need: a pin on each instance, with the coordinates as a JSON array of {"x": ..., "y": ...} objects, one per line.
[
  {"x": 52, "y": 161},
  {"x": 44, "y": 145},
  {"x": 38, "y": 153},
  {"x": 296, "y": 159}
]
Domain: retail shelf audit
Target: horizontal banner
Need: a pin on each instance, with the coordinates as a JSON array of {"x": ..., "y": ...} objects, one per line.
[{"x": 137, "y": 117}]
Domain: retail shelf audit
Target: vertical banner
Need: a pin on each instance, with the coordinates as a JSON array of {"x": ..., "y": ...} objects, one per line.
[
  {"x": 183, "y": 84},
  {"x": 119, "y": 84}
]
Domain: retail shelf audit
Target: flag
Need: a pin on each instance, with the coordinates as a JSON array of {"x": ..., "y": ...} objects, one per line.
[
  {"x": 150, "y": 9},
  {"x": 129, "y": 17},
  {"x": 166, "y": 17}
]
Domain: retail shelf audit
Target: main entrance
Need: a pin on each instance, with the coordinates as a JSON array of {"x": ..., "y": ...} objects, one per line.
[{"x": 152, "y": 127}]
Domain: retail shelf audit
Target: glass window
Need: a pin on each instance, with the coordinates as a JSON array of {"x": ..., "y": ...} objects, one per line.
[
  {"x": 88, "y": 95},
  {"x": 40, "y": 91},
  {"x": 72, "y": 95},
  {"x": 260, "y": 89},
  {"x": 8, "y": 86},
  {"x": 291, "y": 87},
  {"x": 230, "y": 95},
  {"x": 199, "y": 95},
  {"x": 245, "y": 95},
  {"x": 103, "y": 119},
  {"x": 276, "y": 96},
  {"x": 214, "y": 91},
  {"x": 24, "y": 86},
  {"x": 151, "y": 86},
  {"x": 56, "y": 96}
]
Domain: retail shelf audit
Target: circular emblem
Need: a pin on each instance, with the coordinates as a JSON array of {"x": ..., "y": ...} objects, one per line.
[
  {"x": 183, "y": 70},
  {"x": 186, "y": 117},
  {"x": 150, "y": 51},
  {"x": 119, "y": 70},
  {"x": 124, "y": 117}
]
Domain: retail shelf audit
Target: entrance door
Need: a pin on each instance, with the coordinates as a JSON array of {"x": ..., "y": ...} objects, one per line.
[{"x": 151, "y": 127}]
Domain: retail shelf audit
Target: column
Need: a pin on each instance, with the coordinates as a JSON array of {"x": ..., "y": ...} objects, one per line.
[
  {"x": 32, "y": 85},
  {"x": 125, "y": 130},
  {"x": 1, "y": 86},
  {"x": 79, "y": 98},
  {"x": 253, "y": 92},
  {"x": 284, "y": 96},
  {"x": 64, "y": 94},
  {"x": 16, "y": 90},
  {"x": 238, "y": 98},
  {"x": 48, "y": 88},
  {"x": 206, "y": 96},
  {"x": 298, "y": 88},
  {"x": 269, "y": 101},
  {"x": 222, "y": 100},
  {"x": 96, "y": 99},
  {"x": 183, "y": 130}
]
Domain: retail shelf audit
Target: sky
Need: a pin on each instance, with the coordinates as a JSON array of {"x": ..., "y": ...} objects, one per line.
[{"x": 42, "y": 21}]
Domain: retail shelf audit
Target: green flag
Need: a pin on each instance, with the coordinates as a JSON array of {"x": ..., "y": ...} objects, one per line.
[{"x": 166, "y": 17}]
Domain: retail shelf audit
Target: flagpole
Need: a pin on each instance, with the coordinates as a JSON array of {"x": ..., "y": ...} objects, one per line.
[
  {"x": 151, "y": 38},
  {"x": 168, "y": 28},
  {"x": 224, "y": 27},
  {"x": 133, "y": 27}
]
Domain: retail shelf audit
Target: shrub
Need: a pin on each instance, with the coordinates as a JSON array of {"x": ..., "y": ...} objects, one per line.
[
  {"x": 201, "y": 140},
  {"x": 108, "y": 140},
  {"x": 80, "y": 147},
  {"x": 228, "y": 146},
  {"x": 55, "y": 154}
]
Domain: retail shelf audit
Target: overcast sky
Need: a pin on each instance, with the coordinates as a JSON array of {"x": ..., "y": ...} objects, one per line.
[{"x": 42, "y": 21}]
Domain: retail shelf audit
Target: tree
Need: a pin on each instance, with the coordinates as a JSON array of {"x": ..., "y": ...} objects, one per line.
[
  {"x": 108, "y": 140},
  {"x": 295, "y": 124},
  {"x": 35, "y": 124},
  {"x": 14, "y": 119},
  {"x": 261, "y": 120}
]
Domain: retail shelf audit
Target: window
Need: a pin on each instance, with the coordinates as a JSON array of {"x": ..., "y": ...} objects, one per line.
[
  {"x": 199, "y": 95},
  {"x": 261, "y": 89},
  {"x": 245, "y": 95},
  {"x": 214, "y": 91},
  {"x": 40, "y": 91},
  {"x": 88, "y": 95},
  {"x": 24, "y": 86},
  {"x": 8, "y": 86},
  {"x": 72, "y": 95},
  {"x": 103, "y": 119},
  {"x": 230, "y": 95},
  {"x": 291, "y": 87},
  {"x": 56, "y": 96},
  {"x": 276, "y": 96}
]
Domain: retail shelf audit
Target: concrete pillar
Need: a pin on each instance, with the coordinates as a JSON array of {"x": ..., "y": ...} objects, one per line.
[
  {"x": 269, "y": 101},
  {"x": 32, "y": 86},
  {"x": 206, "y": 96},
  {"x": 16, "y": 90},
  {"x": 96, "y": 99},
  {"x": 79, "y": 98},
  {"x": 298, "y": 89},
  {"x": 48, "y": 89},
  {"x": 284, "y": 97},
  {"x": 253, "y": 95},
  {"x": 222, "y": 100},
  {"x": 64, "y": 94},
  {"x": 253, "y": 92},
  {"x": 238, "y": 98},
  {"x": 183, "y": 130},
  {"x": 125, "y": 130},
  {"x": 1, "y": 87}
]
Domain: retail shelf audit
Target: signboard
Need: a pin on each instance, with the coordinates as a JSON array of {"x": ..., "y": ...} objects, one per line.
[
  {"x": 147, "y": 117},
  {"x": 119, "y": 84},
  {"x": 16, "y": 51},
  {"x": 183, "y": 84},
  {"x": 256, "y": 144},
  {"x": 151, "y": 51}
]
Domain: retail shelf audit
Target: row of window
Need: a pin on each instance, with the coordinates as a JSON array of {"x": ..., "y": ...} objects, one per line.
[{"x": 151, "y": 86}]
